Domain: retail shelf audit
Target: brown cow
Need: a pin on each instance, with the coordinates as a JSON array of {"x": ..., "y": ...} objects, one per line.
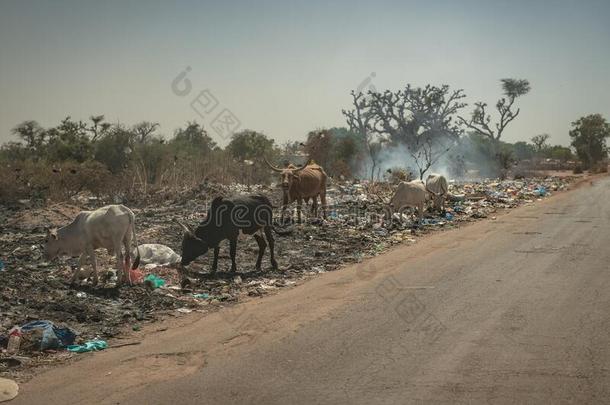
[{"x": 302, "y": 183}]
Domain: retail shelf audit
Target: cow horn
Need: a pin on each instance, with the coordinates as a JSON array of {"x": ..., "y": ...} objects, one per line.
[
  {"x": 275, "y": 169},
  {"x": 302, "y": 167},
  {"x": 186, "y": 228}
]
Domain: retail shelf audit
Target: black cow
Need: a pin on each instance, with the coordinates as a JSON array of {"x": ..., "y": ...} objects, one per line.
[{"x": 252, "y": 215}]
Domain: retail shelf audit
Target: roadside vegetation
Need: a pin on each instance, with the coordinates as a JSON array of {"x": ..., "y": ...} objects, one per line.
[{"x": 388, "y": 134}]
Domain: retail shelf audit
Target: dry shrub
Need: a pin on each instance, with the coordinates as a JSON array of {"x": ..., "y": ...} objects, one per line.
[{"x": 40, "y": 181}]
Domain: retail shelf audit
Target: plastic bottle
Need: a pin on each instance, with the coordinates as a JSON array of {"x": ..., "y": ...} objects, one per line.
[{"x": 14, "y": 340}]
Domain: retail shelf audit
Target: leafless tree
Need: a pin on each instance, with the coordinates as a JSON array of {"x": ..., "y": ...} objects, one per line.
[
  {"x": 143, "y": 130},
  {"x": 539, "y": 141},
  {"x": 427, "y": 153},
  {"x": 408, "y": 114},
  {"x": 98, "y": 127},
  {"x": 360, "y": 120},
  {"x": 480, "y": 119}
]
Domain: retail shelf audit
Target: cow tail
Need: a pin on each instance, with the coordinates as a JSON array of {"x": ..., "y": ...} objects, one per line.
[{"x": 136, "y": 262}]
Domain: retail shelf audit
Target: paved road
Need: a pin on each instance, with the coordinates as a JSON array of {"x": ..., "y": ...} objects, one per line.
[{"x": 507, "y": 311}]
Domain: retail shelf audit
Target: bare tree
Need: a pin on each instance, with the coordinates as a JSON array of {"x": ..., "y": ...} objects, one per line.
[
  {"x": 143, "y": 130},
  {"x": 539, "y": 141},
  {"x": 426, "y": 154},
  {"x": 480, "y": 120},
  {"x": 360, "y": 121},
  {"x": 98, "y": 127},
  {"x": 408, "y": 114}
]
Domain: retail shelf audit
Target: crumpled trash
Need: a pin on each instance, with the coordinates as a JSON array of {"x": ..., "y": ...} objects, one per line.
[
  {"x": 155, "y": 253},
  {"x": 90, "y": 346},
  {"x": 540, "y": 191},
  {"x": 153, "y": 281},
  {"x": 1, "y": 265},
  {"x": 8, "y": 389},
  {"x": 202, "y": 295},
  {"x": 134, "y": 276},
  {"x": 44, "y": 335}
]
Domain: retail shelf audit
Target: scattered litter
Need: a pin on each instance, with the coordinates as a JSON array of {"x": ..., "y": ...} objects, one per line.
[
  {"x": 8, "y": 389},
  {"x": 14, "y": 340},
  {"x": 184, "y": 310},
  {"x": 356, "y": 228},
  {"x": 157, "y": 254},
  {"x": 153, "y": 282},
  {"x": 44, "y": 335},
  {"x": 90, "y": 346}
]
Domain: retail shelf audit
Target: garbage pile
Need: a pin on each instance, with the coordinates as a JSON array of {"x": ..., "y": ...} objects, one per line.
[{"x": 34, "y": 289}]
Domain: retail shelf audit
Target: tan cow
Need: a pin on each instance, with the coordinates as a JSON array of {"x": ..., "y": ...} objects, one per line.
[
  {"x": 410, "y": 194},
  {"x": 436, "y": 185},
  {"x": 302, "y": 183},
  {"x": 108, "y": 227}
]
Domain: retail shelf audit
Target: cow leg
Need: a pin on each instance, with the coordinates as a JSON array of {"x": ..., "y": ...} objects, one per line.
[
  {"x": 420, "y": 212},
  {"x": 262, "y": 245},
  {"x": 126, "y": 244},
  {"x": 271, "y": 241},
  {"x": 299, "y": 208},
  {"x": 314, "y": 206},
  {"x": 91, "y": 254},
  {"x": 122, "y": 274},
  {"x": 215, "y": 262},
  {"x": 284, "y": 207},
  {"x": 323, "y": 202},
  {"x": 232, "y": 252},
  {"x": 76, "y": 272}
]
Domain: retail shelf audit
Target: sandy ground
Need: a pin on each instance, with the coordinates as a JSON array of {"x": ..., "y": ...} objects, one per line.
[{"x": 507, "y": 311}]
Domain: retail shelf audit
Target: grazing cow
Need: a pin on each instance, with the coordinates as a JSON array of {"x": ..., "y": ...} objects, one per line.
[
  {"x": 436, "y": 185},
  {"x": 252, "y": 215},
  {"x": 410, "y": 194},
  {"x": 108, "y": 227},
  {"x": 302, "y": 183}
]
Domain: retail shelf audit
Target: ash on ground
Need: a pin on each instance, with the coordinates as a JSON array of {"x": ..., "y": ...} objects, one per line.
[{"x": 34, "y": 289}]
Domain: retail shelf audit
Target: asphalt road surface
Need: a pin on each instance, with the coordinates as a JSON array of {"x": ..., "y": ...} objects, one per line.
[{"x": 514, "y": 310}]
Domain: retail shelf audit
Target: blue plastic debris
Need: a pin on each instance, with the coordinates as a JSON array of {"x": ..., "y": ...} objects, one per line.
[
  {"x": 90, "y": 346},
  {"x": 53, "y": 337}
]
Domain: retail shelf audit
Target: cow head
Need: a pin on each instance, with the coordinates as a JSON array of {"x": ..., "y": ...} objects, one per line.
[
  {"x": 288, "y": 175},
  {"x": 52, "y": 244},
  {"x": 192, "y": 246},
  {"x": 437, "y": 199}
]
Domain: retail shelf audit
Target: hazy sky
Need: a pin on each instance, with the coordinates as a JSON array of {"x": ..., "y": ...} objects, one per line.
[{"x": 285, "y": 68}]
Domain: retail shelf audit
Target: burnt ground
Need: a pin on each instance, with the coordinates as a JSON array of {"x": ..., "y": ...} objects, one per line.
[{"x": 35, "y": 289}]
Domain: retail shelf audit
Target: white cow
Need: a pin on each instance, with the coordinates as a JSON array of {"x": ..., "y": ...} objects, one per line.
[
  {"x": 410, "y": 194},
  {"x": 436, "y": 185},
  {"x": 108, "y": 227}
]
